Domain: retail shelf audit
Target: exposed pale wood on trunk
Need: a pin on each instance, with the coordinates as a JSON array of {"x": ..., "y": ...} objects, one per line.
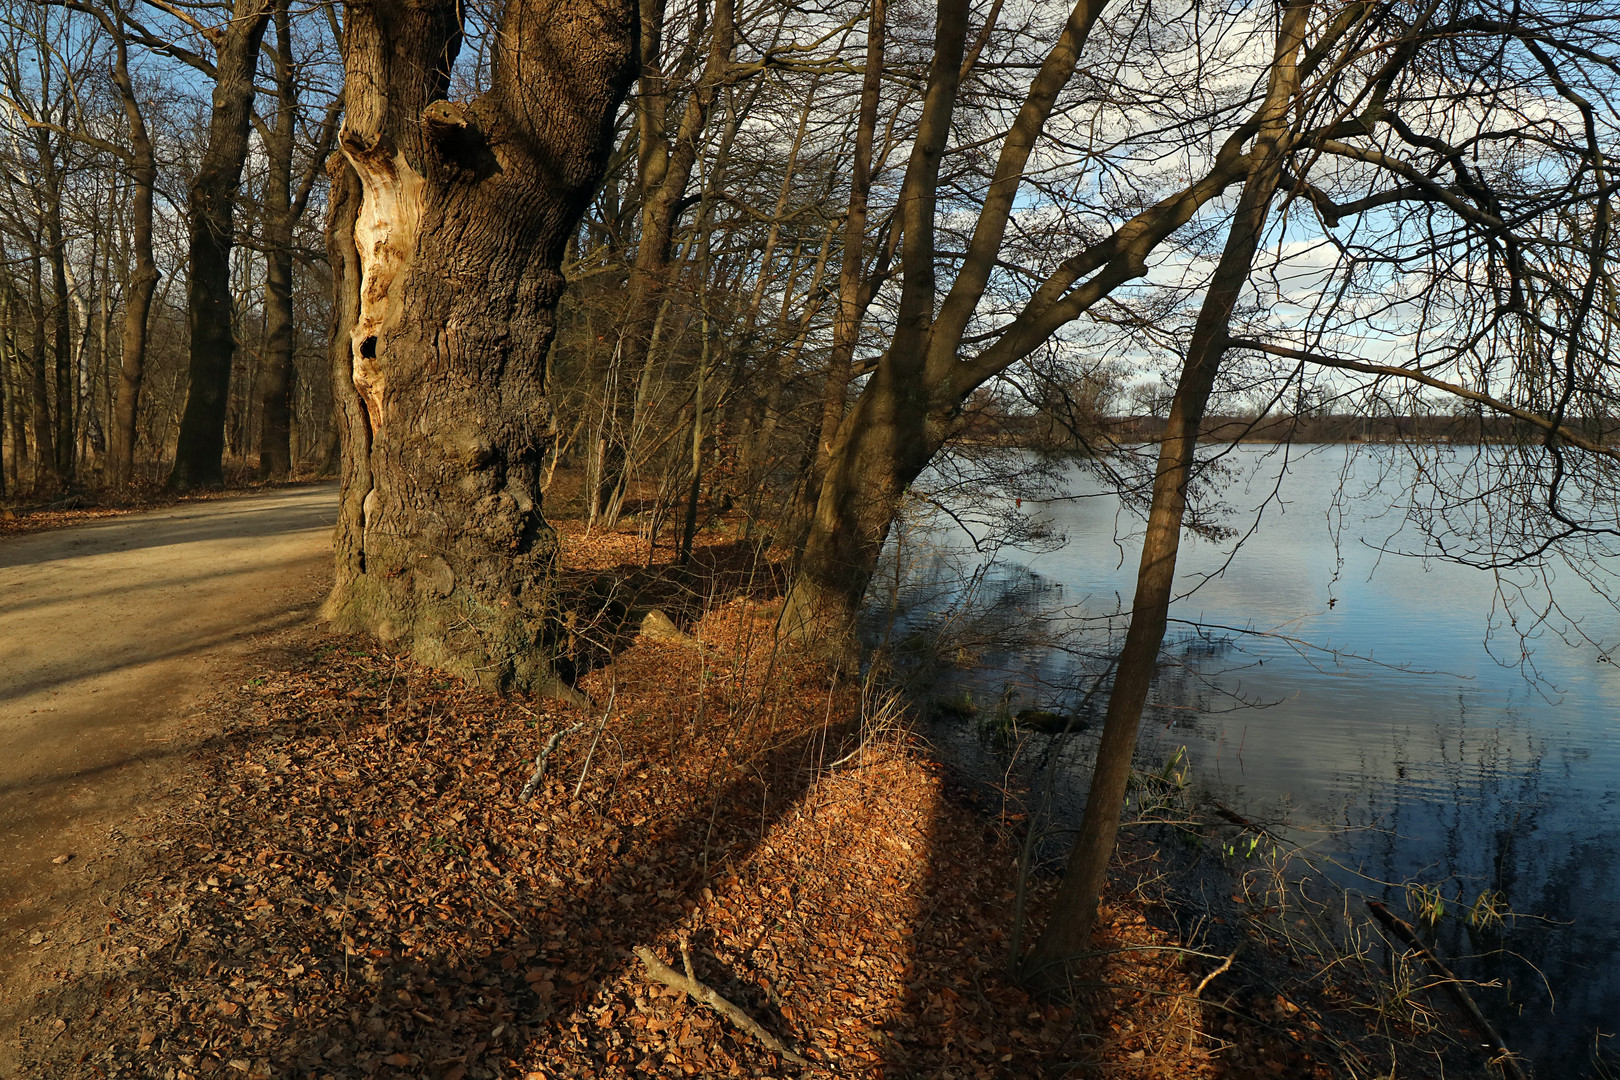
[{"x": 448, "y": 230}]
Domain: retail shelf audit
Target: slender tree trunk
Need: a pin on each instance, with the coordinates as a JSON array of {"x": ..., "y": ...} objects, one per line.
[
  {"x": 275, "y": 447},
  {"x": 854, "y": 285},
  {"x": 664, "y": 172},
  {"x": 198, "y": 460},
  {"x": 11, "y": 367},
  {"x": 44, "y": 447},
  {"x": 99, "y": 398},
  {"x": 441, "y": 541},
  {"x": 60, "y": 314},
  {"x": 1068, "y": 931},
  {"x": 695, "y": 475},
  {"x": 143, "y": 279}
]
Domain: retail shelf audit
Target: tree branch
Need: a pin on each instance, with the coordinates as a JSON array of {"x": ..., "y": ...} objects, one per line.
[{"x": 661, "y": 972}]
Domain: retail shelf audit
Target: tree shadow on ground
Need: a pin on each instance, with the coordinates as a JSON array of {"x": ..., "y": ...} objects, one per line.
[
  {"x": 356, "y": 890},
  {"x": 1182, "y": 978}
]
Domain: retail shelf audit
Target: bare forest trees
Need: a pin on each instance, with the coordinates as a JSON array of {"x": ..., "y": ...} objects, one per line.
[
  {"x": 1042, "y": 218},
  {"x": 1368, "y": 108},
  {"x": 650, "y": 260},
  {"x": 98, "y": 157}
]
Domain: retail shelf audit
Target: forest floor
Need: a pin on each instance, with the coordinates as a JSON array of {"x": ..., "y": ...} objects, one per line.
[
  {"x": 115, "y": 637},
  {"x": 344, "y": 881}
]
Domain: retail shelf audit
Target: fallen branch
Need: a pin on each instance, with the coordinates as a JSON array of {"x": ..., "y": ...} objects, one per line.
[
  {"x": 1225, "y": 967},
  {"x": 1499, "y": 1051},
  {"x": 661, "y": 972},
  {"x": 540, "y": 762}
]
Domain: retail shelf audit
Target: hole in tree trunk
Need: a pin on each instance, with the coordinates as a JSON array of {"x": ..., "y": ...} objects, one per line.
[{"x": 368, "y": 348}]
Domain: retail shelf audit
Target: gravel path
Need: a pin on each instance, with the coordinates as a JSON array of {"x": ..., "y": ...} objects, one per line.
[{"x": 112, "y": 634}]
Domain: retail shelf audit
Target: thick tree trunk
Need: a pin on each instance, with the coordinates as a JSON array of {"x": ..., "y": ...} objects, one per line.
[
  {"x": 883, "y": 444},
  {"x": 895, "y": 426},
  {"x": 275, "y": 445},
  {"x": 198, "y": 458},
  {"x": 1068, "y": 931},
  {"x": 448, "y": 233}
]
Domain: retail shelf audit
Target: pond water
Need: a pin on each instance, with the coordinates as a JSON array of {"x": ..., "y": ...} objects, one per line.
[{"x": 1382, "y": 705}]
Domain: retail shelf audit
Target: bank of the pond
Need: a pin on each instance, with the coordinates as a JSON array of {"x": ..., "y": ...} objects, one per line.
[
  {"x": 1433, "y": 737},
  {"x": 354, "y": 888}
]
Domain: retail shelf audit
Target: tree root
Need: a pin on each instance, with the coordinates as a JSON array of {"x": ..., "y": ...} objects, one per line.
[{"x": 658, "y": 971}]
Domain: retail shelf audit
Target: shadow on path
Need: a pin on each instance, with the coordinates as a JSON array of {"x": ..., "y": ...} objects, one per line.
[{"x": 250, "y": 517}]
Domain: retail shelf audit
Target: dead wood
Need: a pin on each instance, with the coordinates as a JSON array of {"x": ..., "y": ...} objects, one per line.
[
  {"x": 540, "y": 762},
  {"x": 700, "y": 992},
  {"x": 1500, "y": 1054}
]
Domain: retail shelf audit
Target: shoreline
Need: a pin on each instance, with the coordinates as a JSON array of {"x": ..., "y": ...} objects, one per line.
[{"x": 353, "y": 888}]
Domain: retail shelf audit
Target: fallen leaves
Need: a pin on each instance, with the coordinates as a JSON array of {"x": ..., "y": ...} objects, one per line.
[{"x": 359, "y": 891}]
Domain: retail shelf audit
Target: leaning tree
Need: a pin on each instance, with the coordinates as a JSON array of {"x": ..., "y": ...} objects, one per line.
[
  {"x": 1456, "y": 158},
  {"x": 447, "y": 230}
]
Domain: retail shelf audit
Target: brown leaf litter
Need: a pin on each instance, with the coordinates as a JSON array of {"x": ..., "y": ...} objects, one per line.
[{"x": 355, "y": 891}]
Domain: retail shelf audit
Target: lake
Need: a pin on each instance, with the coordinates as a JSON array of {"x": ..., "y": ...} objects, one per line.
[{"x": 1385, "y": 707}]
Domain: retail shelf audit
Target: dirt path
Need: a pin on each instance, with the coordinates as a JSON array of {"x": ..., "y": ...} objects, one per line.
[{"x": 111, "y": 636}]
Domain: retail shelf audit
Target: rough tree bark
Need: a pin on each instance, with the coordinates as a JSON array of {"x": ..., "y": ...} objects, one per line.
[
  {"x": 275, "y": 447},
  {"x": 143, "y": 278},
  {"x": 1068, "y": 931},
  {"x": 198, "y": 457},
  {"x": 448, "y": 230}
]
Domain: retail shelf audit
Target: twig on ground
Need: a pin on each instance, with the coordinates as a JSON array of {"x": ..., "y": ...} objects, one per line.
[
  {"x": 698, "y": 991},
  {"x": 540, "y": 762},
  {"x": 585, "y": 769},
  {"x": 1226, "y": 965}
]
